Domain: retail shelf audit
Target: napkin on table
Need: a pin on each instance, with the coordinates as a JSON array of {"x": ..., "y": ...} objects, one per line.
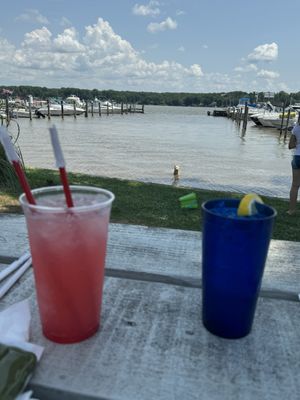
[{"x": 14, "y": 331}]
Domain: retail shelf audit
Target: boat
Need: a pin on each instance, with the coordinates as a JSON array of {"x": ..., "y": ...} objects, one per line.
[
  {"x": 21, "y": 112},
  {"x": 241, "y": 106},
  {"x": 275, "y": 119},
  {"x": 288, "y": 120},
  {"x": 73, "y": 99},
  {"x": 105, "y": 107},
  {"x": 264, "y": 112},
  {"x": 295, "y": 107},
  {"x": 55, "y": 109}
]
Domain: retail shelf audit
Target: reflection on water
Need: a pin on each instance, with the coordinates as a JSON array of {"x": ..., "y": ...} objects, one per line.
[{"x": 212, "y": 152}]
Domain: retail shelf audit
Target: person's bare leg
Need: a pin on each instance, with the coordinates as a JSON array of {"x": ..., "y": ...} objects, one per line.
[{"x": 294, "y": 191}]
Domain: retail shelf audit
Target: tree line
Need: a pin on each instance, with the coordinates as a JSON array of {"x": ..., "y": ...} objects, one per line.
[{"x": 151, "y": 98}]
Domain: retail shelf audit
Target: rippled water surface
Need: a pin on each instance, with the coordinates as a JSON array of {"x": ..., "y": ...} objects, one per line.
[{"x": 211, "y": 151}]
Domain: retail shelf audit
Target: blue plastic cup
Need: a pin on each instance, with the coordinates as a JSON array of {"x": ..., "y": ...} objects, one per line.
[{"x": 234, "y": 252}]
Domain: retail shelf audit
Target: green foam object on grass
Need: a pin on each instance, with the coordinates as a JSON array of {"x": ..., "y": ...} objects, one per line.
[{"x": 188, "y": 201}]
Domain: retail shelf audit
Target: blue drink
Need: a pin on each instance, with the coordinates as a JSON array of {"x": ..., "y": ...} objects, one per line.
[{"x": 234, "y": 251}]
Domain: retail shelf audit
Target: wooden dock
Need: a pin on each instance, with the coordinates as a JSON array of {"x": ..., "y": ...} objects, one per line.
[
  {"x": 89, "y": 108},
  {"x": 220, "y": 113}
]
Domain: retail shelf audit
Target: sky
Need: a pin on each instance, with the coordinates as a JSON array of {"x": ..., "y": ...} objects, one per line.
[{"x": 196, "y": 46}]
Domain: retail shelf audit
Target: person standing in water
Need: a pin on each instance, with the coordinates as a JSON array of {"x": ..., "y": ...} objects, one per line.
[{"x": 294, "y": 143}]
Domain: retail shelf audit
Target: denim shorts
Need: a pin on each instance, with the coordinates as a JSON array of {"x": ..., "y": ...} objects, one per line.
[{"x": 296, "y": 162}]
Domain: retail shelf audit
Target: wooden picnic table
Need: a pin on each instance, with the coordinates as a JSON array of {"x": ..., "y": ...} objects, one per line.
[{"x": 152, "y": 344}]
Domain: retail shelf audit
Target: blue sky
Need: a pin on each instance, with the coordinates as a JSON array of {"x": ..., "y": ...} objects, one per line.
[{"x": 156, "y": 45}]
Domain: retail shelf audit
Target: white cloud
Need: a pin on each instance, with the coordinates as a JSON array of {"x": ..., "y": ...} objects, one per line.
[
  {"x": 67, "y": 42},
  {"x": 101, "y": 41},
  {"x": 181, "y": 48},
  {"x": 246, "y": 68},
  {"x": 268, "y": 74},
  {"x": 168, "y": 23},
  {"x": 5, "y": 46},
  {"x": 264, "y": 52},
  {"x": 146, "y": 9},
  {"x": 33, "y": 15},
  {"x": 100, "y": 58},
  {"x": 38, "y": 39},
  {"x": 196, "y": 70},
  {"x": 180, "y": 12},
  {"x": 205, "y": 46}
]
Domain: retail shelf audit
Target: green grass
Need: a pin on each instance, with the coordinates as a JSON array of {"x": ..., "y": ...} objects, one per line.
[{"x": 152, "y": 204}]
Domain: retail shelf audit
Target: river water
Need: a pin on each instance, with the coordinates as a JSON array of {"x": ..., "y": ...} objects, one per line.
[{"x": 212, "y": 152}]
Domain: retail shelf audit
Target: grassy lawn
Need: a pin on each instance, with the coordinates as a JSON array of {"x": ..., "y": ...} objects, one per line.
[{"x": 151, "y": 204}]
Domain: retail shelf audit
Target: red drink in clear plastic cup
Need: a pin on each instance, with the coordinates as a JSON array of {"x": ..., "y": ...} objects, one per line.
[{"x": 68, "y": 247}]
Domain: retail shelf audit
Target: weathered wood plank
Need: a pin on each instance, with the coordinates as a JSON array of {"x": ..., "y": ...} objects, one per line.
[
  {"x": 152, "y": 345},
  {"x": 168, "y": 252}
]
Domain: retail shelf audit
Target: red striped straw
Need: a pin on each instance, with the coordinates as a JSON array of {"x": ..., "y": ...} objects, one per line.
[
  {"x": 61, "y": 165},
  {"x": 13, "y": 158}
]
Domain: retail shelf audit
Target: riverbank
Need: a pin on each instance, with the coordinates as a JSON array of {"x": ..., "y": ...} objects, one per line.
[{"x": 152, "y": 204}]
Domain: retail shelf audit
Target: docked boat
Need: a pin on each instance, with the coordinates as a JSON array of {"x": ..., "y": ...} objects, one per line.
[
  {"x": 288, "y": 120},
  {"x": 75, "y": 100},
  {"x": 21, "y": 113},
  {"x": 266, "y": 119},
  {"x": 276, "y": 119},
  {"x": 241, "y": 106},
  {"x": 263, "y": 113},
  {"x": 56, "y": 109},
  {"x": 105, "y": 107}
]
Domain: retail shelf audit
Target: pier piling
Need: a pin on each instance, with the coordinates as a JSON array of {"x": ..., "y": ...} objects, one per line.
[
  {"x": 287, "y": 123},
  {"x": 48, "y": 108},
  {"x": 245, "y": 117},
  {"x": 282, "y": 119},
  {"x": 62, "y": 109}
]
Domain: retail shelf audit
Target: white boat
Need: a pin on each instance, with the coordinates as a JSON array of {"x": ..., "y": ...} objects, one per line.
[
  {"x": 22, "y": 113},
  {"x": 288, "y": 121},
  {"x": 263, "y": 114},
  {"x": 252, "y": 108},
  {"x": 56, "y": 109},
  {"x": 266, "y": 119},
  {"x": 295, "y": 106},
  {"x": 105, "y": 107},
  {"x": 275, "y": 120},
  {"x": 73, "y": 99}
]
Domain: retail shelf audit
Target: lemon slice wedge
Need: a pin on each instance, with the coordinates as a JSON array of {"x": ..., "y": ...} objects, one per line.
[{"x": 247, "y": 205}]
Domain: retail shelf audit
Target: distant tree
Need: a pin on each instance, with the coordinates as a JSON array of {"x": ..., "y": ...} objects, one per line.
[{"x": 152, "y": 98}]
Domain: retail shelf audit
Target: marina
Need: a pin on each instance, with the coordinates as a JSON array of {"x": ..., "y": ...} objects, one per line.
[
  {"x": 71, "y": 106},
  {"x": 212, "y": 153},
  {"x": 262, "y": 114}
]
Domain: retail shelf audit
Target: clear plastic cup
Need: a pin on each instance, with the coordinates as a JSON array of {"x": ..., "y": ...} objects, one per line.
[{"x": 68, "y": 247}]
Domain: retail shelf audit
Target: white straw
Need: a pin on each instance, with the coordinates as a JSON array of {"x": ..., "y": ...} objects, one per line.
[
  {"x": 15, "y": 265},
  {"x": 8, "y": 146},
  {"x": 13, "y": 279},
  {"x": 60, "y": 161}
]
